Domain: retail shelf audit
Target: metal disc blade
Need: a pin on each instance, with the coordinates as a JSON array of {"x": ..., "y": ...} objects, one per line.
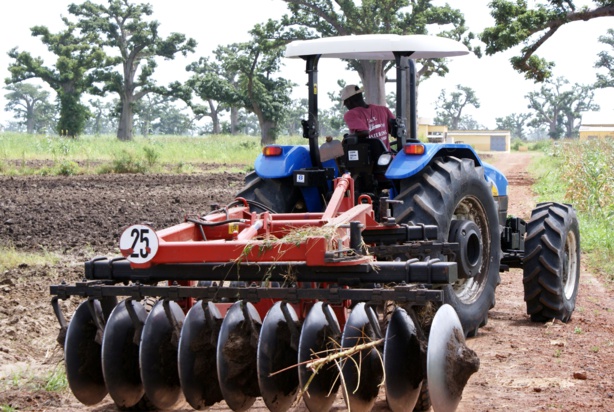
[
  {"x": 276, "y": 352},
  {"x": 363, "y": 372},
  {"x": 158, "y": 355},
  {"x": 320, "y": 335},
  {"x": 236, "y": 356},
  {"x": 445, "y": 327},
  {"x": 82, "y": 356},
  {"x": 120, "y": 354},
  {"x": 402, "y": 362},
  {"x": 197, "y": 348}
]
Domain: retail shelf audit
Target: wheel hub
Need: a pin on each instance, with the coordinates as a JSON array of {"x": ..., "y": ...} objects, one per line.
[{"x": 467, "y": 234}]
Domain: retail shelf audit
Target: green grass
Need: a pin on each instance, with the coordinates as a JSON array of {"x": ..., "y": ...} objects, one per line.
[
  {"x": 106, "y": 154},
  {"x": 54, "y": 380},
  {"x": 11, "y": 258}
]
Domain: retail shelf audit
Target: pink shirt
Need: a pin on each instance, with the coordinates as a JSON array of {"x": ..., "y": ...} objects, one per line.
[{"x": 374, "y": 119}]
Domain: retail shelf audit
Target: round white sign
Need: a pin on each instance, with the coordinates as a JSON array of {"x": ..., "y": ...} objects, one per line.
[{"x": 139, "y": 243}]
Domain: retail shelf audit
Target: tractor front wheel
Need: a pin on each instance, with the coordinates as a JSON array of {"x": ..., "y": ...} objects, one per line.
[{"x": 551, "y": 262}]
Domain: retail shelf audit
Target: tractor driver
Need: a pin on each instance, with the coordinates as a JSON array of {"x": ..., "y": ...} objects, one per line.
[{"x": 365, "y": 120}]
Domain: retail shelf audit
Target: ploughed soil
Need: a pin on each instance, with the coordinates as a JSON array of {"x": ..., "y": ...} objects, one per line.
[{"x": 524, "y": 366}]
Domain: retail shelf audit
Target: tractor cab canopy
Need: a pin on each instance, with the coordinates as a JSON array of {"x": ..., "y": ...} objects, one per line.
[
  {"x": 378, "y": 47},
  {"x": 402, "y": 49}
]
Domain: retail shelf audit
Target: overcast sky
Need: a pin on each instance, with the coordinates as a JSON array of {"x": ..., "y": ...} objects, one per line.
[{"x": 500, "y": 89}]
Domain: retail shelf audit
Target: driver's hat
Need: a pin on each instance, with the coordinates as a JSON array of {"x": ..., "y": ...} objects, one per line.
[{"x": 349, "y": 91}]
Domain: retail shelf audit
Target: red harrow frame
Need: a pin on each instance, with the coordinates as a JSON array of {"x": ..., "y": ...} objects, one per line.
[{"x": 302, "y": 273}]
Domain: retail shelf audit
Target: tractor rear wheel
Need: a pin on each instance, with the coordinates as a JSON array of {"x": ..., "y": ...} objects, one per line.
[
  {"x": 551, "y": 262},
  {"x": 270, "y": 195},
  {"x": 448, "y": 190}
]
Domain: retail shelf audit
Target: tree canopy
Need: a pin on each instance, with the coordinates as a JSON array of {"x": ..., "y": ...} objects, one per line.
[
  {"x": 517, "y": 23},
  {"x": 560, "y": 107},
  {"x": 515, "y": 123},
  {"x": 450, "y": 108},
  {"x": 31, "y": 106},
  {"x": 123, "y": 26},
  {"x": 325, "y": 19},
  {"x": 606, "y": 61},
  {"x": 77, "y": 55}
]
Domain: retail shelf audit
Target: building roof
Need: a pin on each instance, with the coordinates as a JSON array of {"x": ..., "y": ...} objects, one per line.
[
  {"x": 597, "y": 128},
  {"x": 474, "y": 132}
]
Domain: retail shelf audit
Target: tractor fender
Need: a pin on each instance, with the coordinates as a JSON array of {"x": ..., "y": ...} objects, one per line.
[
  {"x": 274, "y": 167},
  {"x": 292, "y": 158},
  {"x": 404, "y": 165}
]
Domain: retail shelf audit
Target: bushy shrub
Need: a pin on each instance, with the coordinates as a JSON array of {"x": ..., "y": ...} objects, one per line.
[
  {"x": 126, "y": 162},
  {"x": 68, "y": 168}
]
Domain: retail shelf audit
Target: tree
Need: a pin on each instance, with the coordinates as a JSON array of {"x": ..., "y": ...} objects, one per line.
[
  {"x": 450, "y": 108},
  {"x": 547, "y": 104},
  {"x": 606, "y": 61},
  {"x": 123, "y": 26},
  {"x": 380, "y": 16},
  {"x": 255, "y": 64},
  {"x": 217, "y": 86},
  {"x": 103, "y": 119},
  {"x": 576, "y": 101},
  {"x": 29, "y": 105},
  {"x": 160, "y": 115},
  {"x": 172, "y": 121},
  {"x": 516, "y": 23},
  {"x": 469, "y": 123},
  {"x": 77, "y": 55},
  {"x": 515, "y": 123},
  {"x": 559, "y": 108}
]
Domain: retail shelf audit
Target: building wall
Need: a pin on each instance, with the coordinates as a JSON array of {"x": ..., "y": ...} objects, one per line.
[
  {"x": 481, "y": 140},
  {"x": 484, "y": 140},
  {"x": 596, "y": 134}
]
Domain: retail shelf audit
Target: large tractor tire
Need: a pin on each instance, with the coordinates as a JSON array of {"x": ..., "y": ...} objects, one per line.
[
  {"x": 551, "y": 262},
  {"x": 452, "y": 193},
  {"x": 270, "y": 195}
]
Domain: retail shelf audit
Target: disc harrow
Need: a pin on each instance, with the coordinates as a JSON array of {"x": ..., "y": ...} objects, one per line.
[{"x": 247, "y": 308}]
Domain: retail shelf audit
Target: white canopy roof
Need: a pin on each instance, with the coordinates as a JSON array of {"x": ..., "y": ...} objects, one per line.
[{"x": 377, "y": 47}]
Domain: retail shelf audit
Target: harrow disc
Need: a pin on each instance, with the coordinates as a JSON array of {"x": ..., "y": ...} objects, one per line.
[
  {"x": 82, "y": 354},
  {"x": 449, "y": 362},
  {"x": 277, "y": 350},
  {"x": 320, "y": 335},
  {"x": 120, "y": 353},
  {"x": 158, "y": 354},
  {"x": 362, "y": 372},
  {"x": 402, "y": 362},
  {"x": 236, "y": 356},
  {"x": 197, "y": 348}
]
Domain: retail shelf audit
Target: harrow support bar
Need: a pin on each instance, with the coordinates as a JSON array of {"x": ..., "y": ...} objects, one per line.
[{"x": 345, "y": 273}]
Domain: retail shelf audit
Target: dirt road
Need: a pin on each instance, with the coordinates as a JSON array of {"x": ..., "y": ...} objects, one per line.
[{"x": 524, "y": 366}]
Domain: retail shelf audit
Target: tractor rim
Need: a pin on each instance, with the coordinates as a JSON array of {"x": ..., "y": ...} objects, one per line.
[
  {"x": 470, "y": 208},
  {"x": 570, "y": 265}
]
